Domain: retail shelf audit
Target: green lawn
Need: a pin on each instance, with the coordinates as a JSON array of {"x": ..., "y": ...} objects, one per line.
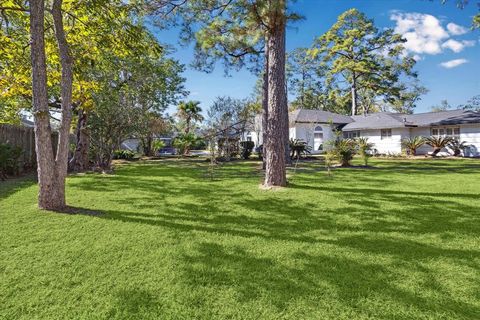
[{"x": 398, "y": 241}]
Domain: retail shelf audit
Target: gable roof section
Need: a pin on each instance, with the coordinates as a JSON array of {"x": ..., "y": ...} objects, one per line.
[
  {"x": 317, "y": 116},
  {"x": 381, "y": 120}
]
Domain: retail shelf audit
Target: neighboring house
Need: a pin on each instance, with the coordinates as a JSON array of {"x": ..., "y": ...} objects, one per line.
[{"x": 385, "y": 130}]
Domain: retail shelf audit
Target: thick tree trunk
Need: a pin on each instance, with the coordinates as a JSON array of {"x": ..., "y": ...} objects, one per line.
[
  {"x": 275, "y": 174},
  {"x": 265, "y": 104},
  {"x": 61, "y": 160},
  {"x": 43, "y": 136},
  {"x": 80, "y": 161}
]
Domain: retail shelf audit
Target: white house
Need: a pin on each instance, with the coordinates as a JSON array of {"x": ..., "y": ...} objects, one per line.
[{"x": 385, "y": 130}]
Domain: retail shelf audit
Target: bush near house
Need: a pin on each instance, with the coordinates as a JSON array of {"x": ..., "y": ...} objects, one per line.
[
  {"x": 123, "y": 155},
  {"x": 9, "y": 160},
  {"x": 246, "y": 149},
  {"x": 411, "y": 145},
  {"x": 437, "y": 143}
]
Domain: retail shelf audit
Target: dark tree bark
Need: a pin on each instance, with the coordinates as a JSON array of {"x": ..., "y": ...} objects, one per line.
[
  {"x": 265, "y": 104},
  {"x": 275, "y": 174},
  {"x": 43, "y": 135},
  {"x": 80, "y": 161}
]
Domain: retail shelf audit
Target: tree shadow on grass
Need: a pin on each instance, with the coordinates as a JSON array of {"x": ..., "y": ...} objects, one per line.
[
  {"x": 10, "y": 187},
  {"x": 332, "y": 282}
]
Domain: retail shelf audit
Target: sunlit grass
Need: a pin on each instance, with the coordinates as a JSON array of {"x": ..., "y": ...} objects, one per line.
[{"x": 398, "y": 241}]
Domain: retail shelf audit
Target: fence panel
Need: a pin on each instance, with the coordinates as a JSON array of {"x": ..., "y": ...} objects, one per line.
[{"x": 23, "y": 137}]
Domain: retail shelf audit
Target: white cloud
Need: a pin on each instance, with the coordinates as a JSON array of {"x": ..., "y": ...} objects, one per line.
[
  {"x": 426, "y": 35},
  {"x": 424, "y": 32},
  {"x": 457, "y": 46},
  {"x": 453, "y": 63},
  {"x": 455, "y": 29}
]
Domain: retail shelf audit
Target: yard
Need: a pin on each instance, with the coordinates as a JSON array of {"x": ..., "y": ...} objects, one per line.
[{"x": 160, "y": 240}]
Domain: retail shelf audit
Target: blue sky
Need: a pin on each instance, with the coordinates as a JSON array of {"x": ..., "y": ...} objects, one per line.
[{"x": 438, "y": 35}]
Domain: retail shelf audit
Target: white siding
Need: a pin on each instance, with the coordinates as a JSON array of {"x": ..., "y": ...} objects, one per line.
[
  {"x": 469, "y": 133},
  {"x": 305, "y": 132},
  {"x": 388, "y": 145}
]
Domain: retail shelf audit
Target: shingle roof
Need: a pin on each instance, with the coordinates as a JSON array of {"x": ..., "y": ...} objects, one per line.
[
  {"x": 381, "y": 120},
  {"x": 317, "y": 116},
  {"x": 444, "y": 117}
]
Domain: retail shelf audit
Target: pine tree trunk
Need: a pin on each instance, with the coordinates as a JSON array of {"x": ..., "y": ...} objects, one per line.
[
  {"x": 43, "y": 135},
  {"x": 275, "y": 174},
  {"x": 265, "y": 104},
  {"x": 354, "y": 96},
  {"x": 80, "y": 161}
]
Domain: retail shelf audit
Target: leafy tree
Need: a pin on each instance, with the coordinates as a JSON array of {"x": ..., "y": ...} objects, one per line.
[
  {"x": 305, "y": 80},
  {"x": 358, "y": 56},
  {"x": 235, "y": 31},
  {"x": 472, "y": 104},
  {"x": 408, "y": 97},
  {"x": 443, "y": 106}
]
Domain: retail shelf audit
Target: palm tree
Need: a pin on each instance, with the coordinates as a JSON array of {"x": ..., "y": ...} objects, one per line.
[
  {"x": 413, "y": 144},
  {"x": 189, "y": 111},
  {"x": 457, "y": 146},
  {"x": 437, "y": 143},
  {"x": 364, "y": 149}
]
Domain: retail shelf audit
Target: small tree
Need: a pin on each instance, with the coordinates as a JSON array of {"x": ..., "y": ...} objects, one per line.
[
  {"x": 364, "y": 149},
  {"x": 437, "y": 143},
  {"x": 457, "y": 146},
  {"x": 413, "y": 144}
]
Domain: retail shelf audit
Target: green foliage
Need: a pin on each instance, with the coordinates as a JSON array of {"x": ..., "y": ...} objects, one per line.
[
  {"x": 9, "y": 159},
  {"x": 357, "y": 53},
  {"x": 437, "y": 143},
  {"x": 157, "y": 145},
  {"x": 342, "y": 150},
  {"x": 364, "y": 149},
  {"x": 123, "y": 154},
  {"x": 299, "y": 148},
  {"x": 413, "y": 144},
  {"x": 457, "y": 146},
  {"x": 184, "y": 142},
  {"x": 246, "y": 149}
]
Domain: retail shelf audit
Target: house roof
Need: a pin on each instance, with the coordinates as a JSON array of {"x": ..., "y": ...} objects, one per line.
[
  {"x": 381, "y": 120},
  {"x": 450, "y": 117},
  {"x": 317, "y": 116},
  {"x": 384, "y": 120}
]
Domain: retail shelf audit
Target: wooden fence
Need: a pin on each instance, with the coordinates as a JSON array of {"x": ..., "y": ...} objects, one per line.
[{"x": 23, "y": 137}]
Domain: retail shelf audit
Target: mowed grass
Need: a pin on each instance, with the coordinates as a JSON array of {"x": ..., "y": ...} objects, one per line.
[{"x": 398, "y": 241}]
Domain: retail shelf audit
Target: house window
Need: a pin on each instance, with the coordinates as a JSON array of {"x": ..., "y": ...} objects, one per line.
[
  {"x": 446, "y": 132},
  {"x": 318, "y": 139},
  {"x": 351, "y": 134},
  {"x": 386, "y": 133}
]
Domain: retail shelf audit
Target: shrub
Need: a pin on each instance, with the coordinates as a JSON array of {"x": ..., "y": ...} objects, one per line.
[
  {"x": 457, "y": 146},
  {"x": 246, "y": 149},
  {"x": 437, "y": 143},
  {"x": 123, "y": 154},
  {"x": 298, "y": 148},
  {"x": 9, "y": 159},
  {"x": 413, "y": 144},
  {"x": 342, "y": 150},
  {"x": 184, "y": 142},
  {"x": 364, "y": 149},
  {"x": 157, "y": 145}
]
